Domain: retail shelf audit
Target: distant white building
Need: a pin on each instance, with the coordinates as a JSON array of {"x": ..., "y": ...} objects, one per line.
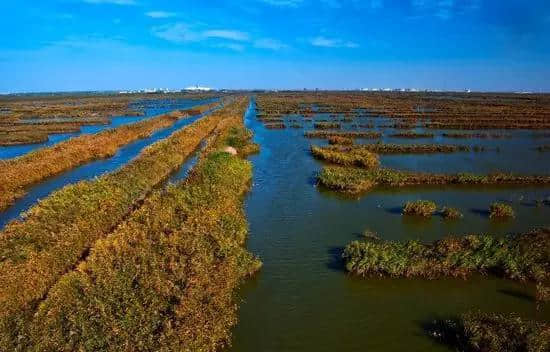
[{"x": 198, "y": 88}]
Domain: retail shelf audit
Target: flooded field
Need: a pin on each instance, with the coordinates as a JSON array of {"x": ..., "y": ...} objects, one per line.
[
  {"x": 275, "y": 222},
  {"x": 304, "y": 300},
  {"x": 87, "y": 171},
  {"x": 149, "y": 109}
]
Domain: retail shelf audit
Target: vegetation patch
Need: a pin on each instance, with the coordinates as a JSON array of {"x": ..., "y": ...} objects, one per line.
[
  {"x": 240, "y": 138},
  {"x": 501, "y": 211},
  {"x": 338, "y": 140},
  {"x": 18, "y": 173},
  {"x": 275, "y": 126},
  {"x": 19, "y": 138},
  {"x": 492, "y": 332},
  {"x": 326, "y": 125},
  {"x": 412, "y": 135},
  {"x": 475, "y": 135},
  {"x": 424, "y": 208},
  {"x": 449, "y": 213},
  {"x": 518, "y": 257},
  {"x": 165, "y": 279},
  {"x": 384, "y": 148},
  {"x": 354, "y": 180},
  {"x": 356, "y": 157},
  {"x": 349, "y": 134},
  {"x": 56, "y": 233}
]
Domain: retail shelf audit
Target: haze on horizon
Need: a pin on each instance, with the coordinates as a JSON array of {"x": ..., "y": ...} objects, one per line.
[{"x": 68, "y": 45}]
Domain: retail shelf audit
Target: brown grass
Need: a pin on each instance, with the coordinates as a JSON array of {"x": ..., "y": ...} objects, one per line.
[
  {"x": 164, "y": 279},
  {"x": 18, "y": 173},
  {"x": 56, "y": 233}
]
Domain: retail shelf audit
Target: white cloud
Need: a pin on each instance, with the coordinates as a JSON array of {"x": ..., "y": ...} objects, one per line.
[
  {"x": 283, "y": 3},
  {"x": 226, "y": 34},
  {"x": 114, "y": 2},
  {"x": 177, "y": 33},
  {"x": 332, "y": 43},
  {"x": 181, "y": 33},
  {"x": 268, "y": 43},
  {"x": 160, "y": 14}
]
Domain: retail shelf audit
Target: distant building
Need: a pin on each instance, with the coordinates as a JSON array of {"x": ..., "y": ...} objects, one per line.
[{"x": 198, "y": 88}]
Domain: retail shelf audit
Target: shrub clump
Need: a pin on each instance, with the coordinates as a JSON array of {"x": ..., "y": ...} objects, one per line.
[
  {"x": 356, "y": 157},
  {"x": 491, "y": 332},
  {"x": 350, "y": 179},
  {"x": 350, "y": 134},
  {"x": 240, "y": 138},
  {"x": 520, "y": 257},
  {"x": 501, "y": 211},
  {"x": 339, "y": 140},
  {"x": 424, "y": 208},
  {"x": 326, "y": 125},
  {"x": 451, "y": 213},
  {"x": 275, "y": 126},
  {"x": 410, "y": 134}
]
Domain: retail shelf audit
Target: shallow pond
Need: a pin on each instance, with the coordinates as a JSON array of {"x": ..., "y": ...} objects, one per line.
[
  {"x": 150, "y": 108},
  {"x": 302, "y": 299}
]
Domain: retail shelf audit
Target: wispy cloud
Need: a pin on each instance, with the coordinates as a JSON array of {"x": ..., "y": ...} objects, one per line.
[
  {"x": 332, "y": 43},
  {"x": 89, "y": 42},
  {"x": 160, "y": 14},
  {"x": 268, "y": 43},
  {"x": 283, "y": 3},
  {"x": 180, "y": 32},
  {"x": 113, "y": 2},
  {"x": 226, "y": 34},
  {"x": 177, "y": 33}
]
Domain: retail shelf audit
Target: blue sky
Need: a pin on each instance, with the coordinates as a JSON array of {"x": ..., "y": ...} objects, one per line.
[{"x": 331, "y": 44}]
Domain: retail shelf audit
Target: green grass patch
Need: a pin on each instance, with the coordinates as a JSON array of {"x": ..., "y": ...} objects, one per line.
[
  {"x": 449, "y": 213},
  {"x": 501, "y": 211},
  {"x": 384, "y": 148},
  {"x": 57, "y": 232},
  {"x": 275, "y": 126},
  {"x": 326, "y": 125},
  {"x": 349, "y": 134},
  {"x": 492, "y": 332},
  {"x": 165, "y": 279},
  {"x": 519, "y": 257},
  {"x": 356, "y": 157},
  {"x": 424, "y": 208},
  {"x": 18, "y": 173},
  {"x": 338, "y": 140},
  {"x": 413, "y": 135},
  {"x": 355, "y": 180}
]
